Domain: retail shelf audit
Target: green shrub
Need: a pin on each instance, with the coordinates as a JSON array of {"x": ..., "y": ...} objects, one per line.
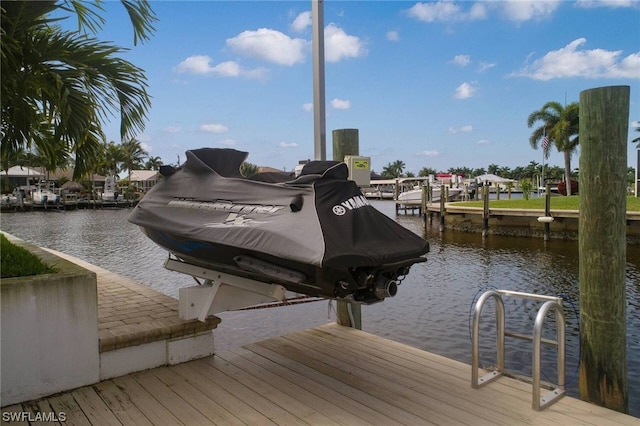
[{"x": 18, "y": 262}]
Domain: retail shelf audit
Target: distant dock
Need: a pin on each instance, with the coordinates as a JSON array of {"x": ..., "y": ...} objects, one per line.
[{"x": 508, "y": 221}]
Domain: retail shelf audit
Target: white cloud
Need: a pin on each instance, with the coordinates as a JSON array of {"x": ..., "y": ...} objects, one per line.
[
  {"x": 227, "y": 142},
  {"x": 463, "y": 129},
  {"x": 483, "y": 142},
  {"x": 288, "y": 144},
  {"x": 428, "y": 153},
  {"x": 605, "y": 3},
  {"x": 307, "y": 107},
  {"x": 340, "y": 104},
  {"x": 302, "y": 22},
  {"x": 339, "y": 45},
  {"x": 393, "y": 36},
  {"x": 570, "y": 61},
  {"x": 485, "y": 66},
  {"x": 171, "y": 129},
  {"x": 525, "y": 10},
  {"x": 462, "y": 60},
  {"x": 214, "y": 128},
  {"x": 269, "y": 45},
  {"x": 198, "y": 64},
  {"x": 201, "y": 64},
  {"x": 437, "y": 11},
  {"x": 446, "y": 11},
  {"x": 464, "y": 91},
  {"x": 513, "y": 10},
  {"x": 478, "y": 11}
]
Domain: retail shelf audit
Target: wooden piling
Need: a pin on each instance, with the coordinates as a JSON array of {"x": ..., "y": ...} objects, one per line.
[
  {"x": 485, "y": 210},
  {"x": 547, "y": 209},
  {"x": 443, "y": 198},
  {"x": 345, "y": 142},
  {"x": 604, "y": 123}
]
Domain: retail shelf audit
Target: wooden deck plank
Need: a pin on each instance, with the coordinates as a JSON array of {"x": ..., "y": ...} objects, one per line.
[
  {"x": 356, "y": 401},
  {"x": 120, "y": 404},
  {"x": 65, "y": 403},
  {"x": 156, "y": 412},
  {"x": 272, "y": 402},
  {"x": 209, "y": 403},
  {"x": 566, "y": 409},
  {"x": 391, "y": 377},
  {"x": 306, "y": 389},
  {"x": 41, "y": 412},
  {"x": 328, "y": 375},
  {"x": 94, "y": 407},
  {"x": 180, "y": 408},
  {"x": 250, "y": 397},
  {"x": 420, "y": 381},
  {"x": 11, "y": 410},
  {"x": 390, "y": 388}
]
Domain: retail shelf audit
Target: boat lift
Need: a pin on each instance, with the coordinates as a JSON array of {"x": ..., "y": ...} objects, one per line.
[
  {"x": 220, "y": 291},
  {"x": 550, "y": 303}
]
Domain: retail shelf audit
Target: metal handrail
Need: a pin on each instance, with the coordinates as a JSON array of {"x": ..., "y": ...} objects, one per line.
[{"x": 551, "y": 303}]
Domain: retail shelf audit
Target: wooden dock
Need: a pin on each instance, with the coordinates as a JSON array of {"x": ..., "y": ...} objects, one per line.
[{"x": 329, "y": 375}]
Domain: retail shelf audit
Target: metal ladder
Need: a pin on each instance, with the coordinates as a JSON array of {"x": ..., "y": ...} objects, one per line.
[{"x": 550, "y": 303}]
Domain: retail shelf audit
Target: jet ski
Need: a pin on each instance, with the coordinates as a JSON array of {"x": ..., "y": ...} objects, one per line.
[{"x": 314, "y": 234}]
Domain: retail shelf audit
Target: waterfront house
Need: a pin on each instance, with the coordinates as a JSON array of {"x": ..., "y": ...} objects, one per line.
[{"x": 143, "y": 180}]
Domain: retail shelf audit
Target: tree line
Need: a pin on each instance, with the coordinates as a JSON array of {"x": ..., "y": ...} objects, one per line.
[
  {"x": 558, "y": 126},
  {"x": 58, "y": 88}
]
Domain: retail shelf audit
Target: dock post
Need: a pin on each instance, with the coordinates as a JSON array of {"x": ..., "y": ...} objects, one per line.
[
  {"x": 442, "y": 201},
  {"x": 345, "y": 142},
  {"x": 547, "y": 209},
  {"x": 485, "y": 210},
  {"x": 424, "y": 204},
  {"x": 604, "y": 124}
]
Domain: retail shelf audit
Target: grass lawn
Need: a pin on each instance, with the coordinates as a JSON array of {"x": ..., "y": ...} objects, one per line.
[{"x": 557, "y": 202}]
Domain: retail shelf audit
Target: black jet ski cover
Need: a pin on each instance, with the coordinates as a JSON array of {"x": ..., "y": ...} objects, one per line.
[{"x": 318, "y": 225}]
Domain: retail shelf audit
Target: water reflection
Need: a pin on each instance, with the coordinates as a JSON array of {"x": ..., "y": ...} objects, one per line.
[{"x": 431, "y": 311}]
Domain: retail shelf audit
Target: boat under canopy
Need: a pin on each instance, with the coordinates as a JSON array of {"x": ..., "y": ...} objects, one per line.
[{"x": 314, "y": 234}]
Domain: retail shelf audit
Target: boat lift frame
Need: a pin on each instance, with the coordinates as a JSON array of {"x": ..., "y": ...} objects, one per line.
[
  {"x": 550, "y": 303},
  {"x": 220, "y": 291}
]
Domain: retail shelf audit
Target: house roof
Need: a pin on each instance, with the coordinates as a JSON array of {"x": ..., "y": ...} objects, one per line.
[
  {"x": 21, "y": 171},
  {"x": 490, "y": 177},
  {"x": 142, "y": 175}
]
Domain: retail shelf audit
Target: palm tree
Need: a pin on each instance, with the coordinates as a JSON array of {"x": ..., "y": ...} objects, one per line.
[
  {"x": 247, "y": 169},
  {"x": 113, "y": 157},
  {"x": 560, "y": 125},
  {"x": 153, "y": 163},
  {"x": 426, "y": 171},
  {"x": 58, "y": 86},
  {"x": 133, "y": 156},
  {"x": 393, "y": 170},
  {"x": 637, "y": 129}
]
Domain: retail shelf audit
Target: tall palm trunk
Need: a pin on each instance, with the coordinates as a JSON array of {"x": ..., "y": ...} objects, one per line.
[{"x": 567, "y": 170}]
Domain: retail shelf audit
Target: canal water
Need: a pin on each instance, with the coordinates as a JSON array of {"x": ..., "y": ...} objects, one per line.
[{"x": 433, "y": 307}]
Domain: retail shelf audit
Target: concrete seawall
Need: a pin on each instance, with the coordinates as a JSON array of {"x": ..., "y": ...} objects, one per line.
[{"x": 519, "y": 222}]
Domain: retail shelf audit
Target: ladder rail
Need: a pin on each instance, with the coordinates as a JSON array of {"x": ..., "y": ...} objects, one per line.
[
  {"x": 551, "y": 303},
  {"x": 476, "y": 381},
  {"x": 538, "y": 401}
]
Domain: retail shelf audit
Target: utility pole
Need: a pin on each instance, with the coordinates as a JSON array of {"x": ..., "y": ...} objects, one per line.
[{"x": 319, "y": 115}]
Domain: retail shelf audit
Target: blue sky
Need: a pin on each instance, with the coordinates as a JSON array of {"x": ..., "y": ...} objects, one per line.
[{"x": 434, "y": 84}]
